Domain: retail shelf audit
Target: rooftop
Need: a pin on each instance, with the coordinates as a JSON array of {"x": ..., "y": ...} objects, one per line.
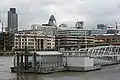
[{"x": 48, "y": 53}]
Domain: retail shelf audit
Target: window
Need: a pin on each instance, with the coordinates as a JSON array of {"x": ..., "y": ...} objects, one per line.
[
  {"x": 16, "y": 47},
  {"x": 16, "y": 43},
  {"x": 48, "y": 40},
  {"x": 49, "y": 47},
  {"x": 16, "y": 39},
  {"x": 30, "y": 39},
  {"x": 25, "y": 43},
  {"x": 48, "y": 43},
  {"x": 30, "y": 43},
  {"x": 22, "y": 43}
]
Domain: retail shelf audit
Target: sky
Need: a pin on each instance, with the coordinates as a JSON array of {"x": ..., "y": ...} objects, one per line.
[{"x": 92, "y": 12}]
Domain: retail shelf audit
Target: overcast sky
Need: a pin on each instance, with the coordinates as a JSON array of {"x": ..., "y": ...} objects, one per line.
[{"x": 92, "y": 12}]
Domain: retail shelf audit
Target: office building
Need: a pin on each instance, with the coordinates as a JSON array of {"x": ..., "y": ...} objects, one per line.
[
  {"x": 74, "y": 32},
  {"x": 52, "y": 21},
  {"x": 47, "y": 30},
  {"x": 12, "y": 20},
  {"x": 5, "y": 41},
  {"x": 73, "y": 42},
  {"x": 101, "y": 26},
  {"x": 97, "y": 32}
]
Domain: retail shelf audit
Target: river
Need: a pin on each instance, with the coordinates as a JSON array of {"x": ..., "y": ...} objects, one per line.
[{"x": 107, "y": 73}]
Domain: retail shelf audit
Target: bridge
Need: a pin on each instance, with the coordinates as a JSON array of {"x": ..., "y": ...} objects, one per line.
[{"x": 111, "y": 53}]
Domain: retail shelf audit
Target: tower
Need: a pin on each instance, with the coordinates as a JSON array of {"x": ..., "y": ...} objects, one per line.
[
  {"x": 12, "y": 20},
  {"x": 52, "y": 21}
]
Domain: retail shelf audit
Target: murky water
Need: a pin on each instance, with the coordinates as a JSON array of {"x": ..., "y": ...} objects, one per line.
[{"x": 108, "y": 73}]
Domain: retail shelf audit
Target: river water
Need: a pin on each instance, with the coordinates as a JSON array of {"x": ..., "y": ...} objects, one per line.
[{"x": 107, "y": 73}]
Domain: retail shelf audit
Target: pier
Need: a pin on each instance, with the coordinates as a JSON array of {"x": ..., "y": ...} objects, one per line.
[{"x": 54, "y": 61}]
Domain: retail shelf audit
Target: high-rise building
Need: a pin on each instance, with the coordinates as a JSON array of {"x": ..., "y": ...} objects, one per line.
[
  {"x": 101, "y": 26},
  {"x": 12, "y": 20},
  {"x": 52, "y": 21}
]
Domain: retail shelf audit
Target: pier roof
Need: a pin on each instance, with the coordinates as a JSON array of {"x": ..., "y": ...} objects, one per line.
[{"x": 48, "y": 53}]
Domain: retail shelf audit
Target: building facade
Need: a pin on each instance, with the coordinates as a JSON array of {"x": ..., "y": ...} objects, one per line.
[
  {"x": 79, "y": 24},
  {"x": 34, "y": 42},
  {"x": 110, "y": 39},
  {"x": 73, "y": 42},
  {"x": 47, "y": 30},
  {"x": 5, "y": 41},
  {"x": 101, "y": 26},
  {"x": 97, "y": 32},
  {"x": 74, "y": 32},
  {"x": 12, "y": 20}
]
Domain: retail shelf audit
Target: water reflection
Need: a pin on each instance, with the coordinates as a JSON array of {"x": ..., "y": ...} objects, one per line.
[{"x": 27, "y": 77}]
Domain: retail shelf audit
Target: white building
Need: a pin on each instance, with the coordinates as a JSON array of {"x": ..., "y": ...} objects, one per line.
[
  {"x": 46, "y": 29},
  {"x": 34, "y": 41}
]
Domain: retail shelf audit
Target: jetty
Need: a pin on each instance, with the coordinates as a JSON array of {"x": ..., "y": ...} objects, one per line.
[{"x": 54, "y": 61}]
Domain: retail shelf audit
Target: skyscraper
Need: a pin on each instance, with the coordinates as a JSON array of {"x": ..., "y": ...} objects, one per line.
[
  {"x": 12, "y": 20},
  {"x": 52, "y": 21}
]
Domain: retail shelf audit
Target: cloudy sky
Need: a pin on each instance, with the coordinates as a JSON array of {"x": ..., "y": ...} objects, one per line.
[{"x": 65, "y": 11}]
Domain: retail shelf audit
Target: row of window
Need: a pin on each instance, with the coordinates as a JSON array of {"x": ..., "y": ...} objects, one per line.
[{"x": 31, "y": 47}]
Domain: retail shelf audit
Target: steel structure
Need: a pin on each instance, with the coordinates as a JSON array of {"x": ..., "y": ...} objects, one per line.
[{"x": 102, "y": 52}]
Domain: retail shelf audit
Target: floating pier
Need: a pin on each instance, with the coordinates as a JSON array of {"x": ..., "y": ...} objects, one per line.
[{"x": 51, "y": 61}]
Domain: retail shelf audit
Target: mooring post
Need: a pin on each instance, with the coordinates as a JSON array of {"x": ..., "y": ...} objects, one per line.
[
  {"x": 35, "y": 64},
  {"x": 22, "y": 62},
  {"x": 26, "y": 58},
  {"x": 18, "y": 64},
  {"x": 26, "y": 61}
]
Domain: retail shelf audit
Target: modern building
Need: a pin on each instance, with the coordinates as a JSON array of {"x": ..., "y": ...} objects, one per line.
[
  {"x": 62, "y": 27},
  {"x": 46, "y": 30},
  {"x": 73, "y": 42},
  {"x": 110, "y": 39},
  {"x": 34, "y": 41},
  {"x": 79, "y": 24},
  {"x": 101, "y": 26},
  {"x": 98, "y": 32},
  {"x": 74, "y": 32},
  {"x": 52, "y": 21},
  {"x": 113, "y": 32},
  {"x": 12, "y": 20},
  {"x": 5, "y": 41}
]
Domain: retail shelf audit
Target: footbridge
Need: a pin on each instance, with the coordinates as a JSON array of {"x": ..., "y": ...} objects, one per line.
[{"x": 111, "y": 53}]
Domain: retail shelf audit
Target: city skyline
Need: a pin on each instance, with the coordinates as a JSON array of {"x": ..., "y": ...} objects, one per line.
[{"x": 65, "y": 11}]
